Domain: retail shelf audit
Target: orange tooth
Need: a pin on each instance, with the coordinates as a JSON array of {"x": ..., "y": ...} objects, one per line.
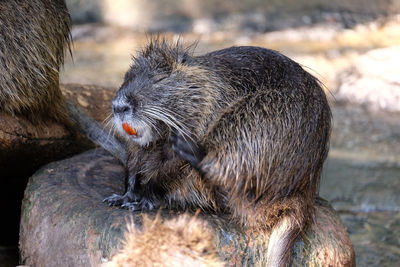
[{"x": 128, "y": 129}]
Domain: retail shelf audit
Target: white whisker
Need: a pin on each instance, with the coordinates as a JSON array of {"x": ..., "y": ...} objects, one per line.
[
  {"x": 171, "y": 124},
  {"x": 167, "y": 116},
  {"x": 150, "y": 121},
  {"x": 107, "y": 119}
]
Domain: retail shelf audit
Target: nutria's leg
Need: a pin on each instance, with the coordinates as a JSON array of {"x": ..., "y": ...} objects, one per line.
[
  {"x": 137, "y": 195},
  {"x": 129, "y": 198}
]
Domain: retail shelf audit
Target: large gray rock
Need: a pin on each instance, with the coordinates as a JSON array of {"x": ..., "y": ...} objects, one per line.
[{"x": 65, "y": 223}]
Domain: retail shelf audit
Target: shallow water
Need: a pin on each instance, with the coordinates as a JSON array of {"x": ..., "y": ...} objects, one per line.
[
  {"x": 366, "y": 194},
  {"x": 361, "y": 179},
  {"x": 375, "y": 236}
]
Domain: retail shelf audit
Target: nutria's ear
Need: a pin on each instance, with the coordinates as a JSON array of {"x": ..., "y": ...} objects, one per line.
[{"x": 130, "y": 74}]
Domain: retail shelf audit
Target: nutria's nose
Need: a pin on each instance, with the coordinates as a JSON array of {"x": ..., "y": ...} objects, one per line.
[{"x": 121, "y": 109}]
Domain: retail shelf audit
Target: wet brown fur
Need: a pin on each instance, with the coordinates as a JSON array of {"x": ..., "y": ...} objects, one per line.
[
  {"x": 33, "y": 35},
  {"x": 264, "y": 124},
  {"x": 182, "y": 241}
]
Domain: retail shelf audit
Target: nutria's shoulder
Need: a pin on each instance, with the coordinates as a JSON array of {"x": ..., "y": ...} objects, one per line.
[{"x": 252, "y": 68}]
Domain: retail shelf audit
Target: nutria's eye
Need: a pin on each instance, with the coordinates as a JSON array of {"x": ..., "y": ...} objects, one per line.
[{"x": 132, "y": 102}]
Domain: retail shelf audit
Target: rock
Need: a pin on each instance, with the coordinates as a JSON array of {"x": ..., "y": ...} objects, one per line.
[
  {"x": 95, "y": 100},
  {"x": 25, "y": 147},
  {"x": 64, "y": 221},
  {"x": 373, "y": 80},
  {"x": 35, "y": 145}
]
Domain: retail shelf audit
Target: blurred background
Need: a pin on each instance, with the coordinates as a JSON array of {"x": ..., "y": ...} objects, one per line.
[{"x": 352, "y": 46}]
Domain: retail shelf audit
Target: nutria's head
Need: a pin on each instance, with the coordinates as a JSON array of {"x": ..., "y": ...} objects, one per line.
[{"x": 162, "y": 90}]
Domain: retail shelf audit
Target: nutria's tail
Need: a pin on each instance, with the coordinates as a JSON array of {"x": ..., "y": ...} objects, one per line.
[
  {"x": 281, "y": 223},
  {"x": 97, "y": 133},
  {"x": 281, "y": 241}
]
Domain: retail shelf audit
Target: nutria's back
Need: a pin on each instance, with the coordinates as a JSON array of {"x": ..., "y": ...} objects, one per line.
[{"x": 250, "y": 70}]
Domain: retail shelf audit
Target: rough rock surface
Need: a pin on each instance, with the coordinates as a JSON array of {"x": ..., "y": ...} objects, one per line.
[
  {"x": 22, "y": 141},
  {"x": 25, "y": 147},
  {"x": 65, "y": 223}
]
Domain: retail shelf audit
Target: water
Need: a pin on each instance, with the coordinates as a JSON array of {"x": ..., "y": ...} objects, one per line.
[{"x": 362, "y": 181}]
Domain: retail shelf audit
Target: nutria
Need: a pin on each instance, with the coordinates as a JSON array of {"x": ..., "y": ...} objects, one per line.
[
  {"x": 33, "y": 38},
  {"x": 243, "y": 130},
  {"x": 182, "y": 241}
]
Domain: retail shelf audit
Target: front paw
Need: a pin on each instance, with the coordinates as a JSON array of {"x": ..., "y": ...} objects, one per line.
[
  {"x": 123, "y": 201},
  {"x": 132, "y": 202},
  {"x": 187, "y": 148},
  {"x": 143, "y": 205}
]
